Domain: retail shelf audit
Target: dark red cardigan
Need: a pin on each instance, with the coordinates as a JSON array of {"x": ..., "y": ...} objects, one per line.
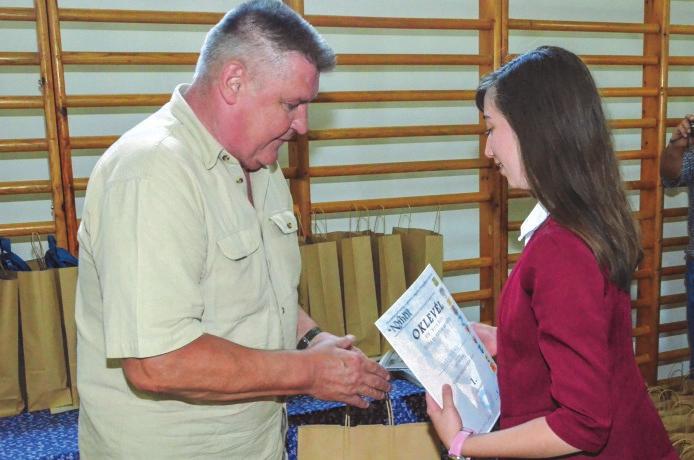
[{"x": 565, "y": 352}]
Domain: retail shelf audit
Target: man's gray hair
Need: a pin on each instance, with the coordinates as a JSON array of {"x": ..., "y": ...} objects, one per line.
[{"x": 260, "y": 32}]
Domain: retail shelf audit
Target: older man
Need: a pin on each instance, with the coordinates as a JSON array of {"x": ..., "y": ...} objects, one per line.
[{"x": 187, "y": 307}]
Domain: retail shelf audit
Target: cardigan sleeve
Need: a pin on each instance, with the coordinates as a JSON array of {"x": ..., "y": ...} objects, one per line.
[{"x": 568, "y": 300}]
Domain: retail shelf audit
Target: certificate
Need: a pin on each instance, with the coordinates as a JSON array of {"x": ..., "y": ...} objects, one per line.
[{"x": 430, "y": 333}]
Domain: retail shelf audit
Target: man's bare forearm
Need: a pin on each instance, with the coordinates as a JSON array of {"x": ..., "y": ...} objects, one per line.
[{"x": 214, "y": 369}]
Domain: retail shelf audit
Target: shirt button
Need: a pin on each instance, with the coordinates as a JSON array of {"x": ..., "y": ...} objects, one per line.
[
  {"x": 239, "y": 180},
  {"x": 283, "y": 310},
  {"x": 289, "y": 225},
  {"x": 225, "y": 157}
]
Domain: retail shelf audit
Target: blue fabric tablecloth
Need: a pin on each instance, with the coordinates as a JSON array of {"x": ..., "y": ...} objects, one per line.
[{"x": 40, "y": 435}]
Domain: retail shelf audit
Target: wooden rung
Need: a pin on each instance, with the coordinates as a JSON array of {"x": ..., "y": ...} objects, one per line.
[
  {"x": 633, "y": 123},
  {"x": 394, "y": 131},
  {"x": 26, "y": 229},
  {"x": 629, "y": 92},
  {"x": 635, "y": 154},
  {"x": 675, "y": 241},
  {"x": 642, "y": 359},
  {"x": 640, "y": 184},
  {"x": 396, "y": 96},
  {"x": 92, "y": 142},
  {"x": 598, "y": 59},
  {"x": 680, "y": 91},
  {"x": 399, "y": 23},
  {"x": 17, "y": 14},
  {"x": 673, "y": 327},
  {"x": 642, "y": 274},
  {"x": 681, "y": 29},
  {"x": 414, "y": 59},
  {"x": 675, "y": 212},
  {"x": 513, "y": 258},
  {"x": 515, "y": 193},
  {"x": 395, "y": 168},
  {"x": 120, "y": 58},
  {"x": 673, "y": 356},
  {"x": 638, "y": 304},
  {"x": 482, "y": 294},
  {"x": 23, "y": 145},
  {"x": 25, "y": 187},
  {"x": 578, "y": 26},
  {"x": 681, "y": 60},
  {"x": 21, "y": 102},
  {"x": 117, "y": 100},
  {"x": 142, "y": 17},
  {"x": 672, "y": 299},
  {"x": 640, "y": 331},
  {"x": 466, "y": 264},
  {"x": 154, "y": 58},
  {"x": 673, "y": 271},
  {"x": 19, "y": 58},
  {"x": 400, "y": 202}
]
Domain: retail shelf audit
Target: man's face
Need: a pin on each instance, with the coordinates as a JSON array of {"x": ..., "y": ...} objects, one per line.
[{"x": 273, "y": 108}]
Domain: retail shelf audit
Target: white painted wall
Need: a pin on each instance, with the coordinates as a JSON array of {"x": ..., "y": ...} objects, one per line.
[{"x": 459, "y": 224}]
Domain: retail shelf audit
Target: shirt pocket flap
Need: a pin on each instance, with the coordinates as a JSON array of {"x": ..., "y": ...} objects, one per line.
[
  {"x": 240, "y": 244},
  {"x": 286, "y": 221}
]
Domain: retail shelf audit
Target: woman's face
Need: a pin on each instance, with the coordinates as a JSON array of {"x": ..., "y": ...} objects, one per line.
[{"x": 502, "y": 144}]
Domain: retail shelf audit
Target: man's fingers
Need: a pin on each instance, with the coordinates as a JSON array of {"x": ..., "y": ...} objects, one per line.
[{"x": 356, "y": 401}]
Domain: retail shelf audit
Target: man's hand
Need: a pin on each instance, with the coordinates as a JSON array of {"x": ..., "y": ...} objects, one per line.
[
  {"x": 681, "y": 135},
  {"x": 446, "y": 419},
  {"x": 341, "y": 372}
]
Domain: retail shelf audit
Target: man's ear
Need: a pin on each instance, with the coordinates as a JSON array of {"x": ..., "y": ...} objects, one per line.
[{"x": 231, "y": 81}]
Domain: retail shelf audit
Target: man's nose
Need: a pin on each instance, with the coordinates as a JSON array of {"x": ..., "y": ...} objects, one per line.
[{"x": 300, "y": 121}]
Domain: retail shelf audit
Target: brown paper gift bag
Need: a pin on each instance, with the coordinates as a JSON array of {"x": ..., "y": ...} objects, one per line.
[
  {"x": 304, "y": 301},
  {"x": 324, "y": 292},
  {"x": 66, "y": 279},
  {"x": 11, "y": 401},
  {"x": 391, "y": 273},
  {"x": 359, "y": 293},
  {"x": 42, "y": 338},
  {"x": 409, "y": 441},
  {"x": 420, "y": 247}
]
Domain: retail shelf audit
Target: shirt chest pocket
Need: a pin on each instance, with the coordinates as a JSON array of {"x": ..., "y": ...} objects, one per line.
[
  {"x": 283, "y": 250},
  {"x": 240, "y": 244}
]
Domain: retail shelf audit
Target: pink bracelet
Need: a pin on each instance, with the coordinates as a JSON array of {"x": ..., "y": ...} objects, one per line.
[{"x": 456, "y": 450}]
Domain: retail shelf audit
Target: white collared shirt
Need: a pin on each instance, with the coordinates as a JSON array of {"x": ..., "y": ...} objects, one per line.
[{"x": 536, "y": 217}]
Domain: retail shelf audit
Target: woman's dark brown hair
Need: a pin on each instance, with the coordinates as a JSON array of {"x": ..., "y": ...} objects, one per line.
[{"x": 550, "y": 100}]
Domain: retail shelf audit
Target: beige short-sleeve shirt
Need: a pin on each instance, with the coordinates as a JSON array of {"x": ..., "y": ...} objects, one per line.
[{"x": 171, "y": 248}]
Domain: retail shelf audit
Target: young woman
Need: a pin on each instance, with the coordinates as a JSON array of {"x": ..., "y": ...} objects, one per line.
[{"x": 568, "y": 379}]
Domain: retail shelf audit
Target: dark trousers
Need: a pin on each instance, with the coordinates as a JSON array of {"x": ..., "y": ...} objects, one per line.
[{"x": 689, "y": 282}]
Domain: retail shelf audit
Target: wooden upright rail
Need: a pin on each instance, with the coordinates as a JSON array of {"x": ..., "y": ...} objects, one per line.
[{"x": 53, "y": 185}]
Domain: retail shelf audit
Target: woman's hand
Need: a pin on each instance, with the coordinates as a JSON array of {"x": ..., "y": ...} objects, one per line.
[
  {"x": 446, "y": 420},
  {"x": 487, "y": 335}
]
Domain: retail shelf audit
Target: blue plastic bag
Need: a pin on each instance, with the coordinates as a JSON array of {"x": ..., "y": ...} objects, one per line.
[
  {"x": 57, "y": 257},
  {"x": 10, "y": 260}
]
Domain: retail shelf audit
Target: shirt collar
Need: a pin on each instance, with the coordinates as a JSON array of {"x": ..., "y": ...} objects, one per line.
[
  {"x": 531, "y": 223},
  {"x": 209, "y": 150}
]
